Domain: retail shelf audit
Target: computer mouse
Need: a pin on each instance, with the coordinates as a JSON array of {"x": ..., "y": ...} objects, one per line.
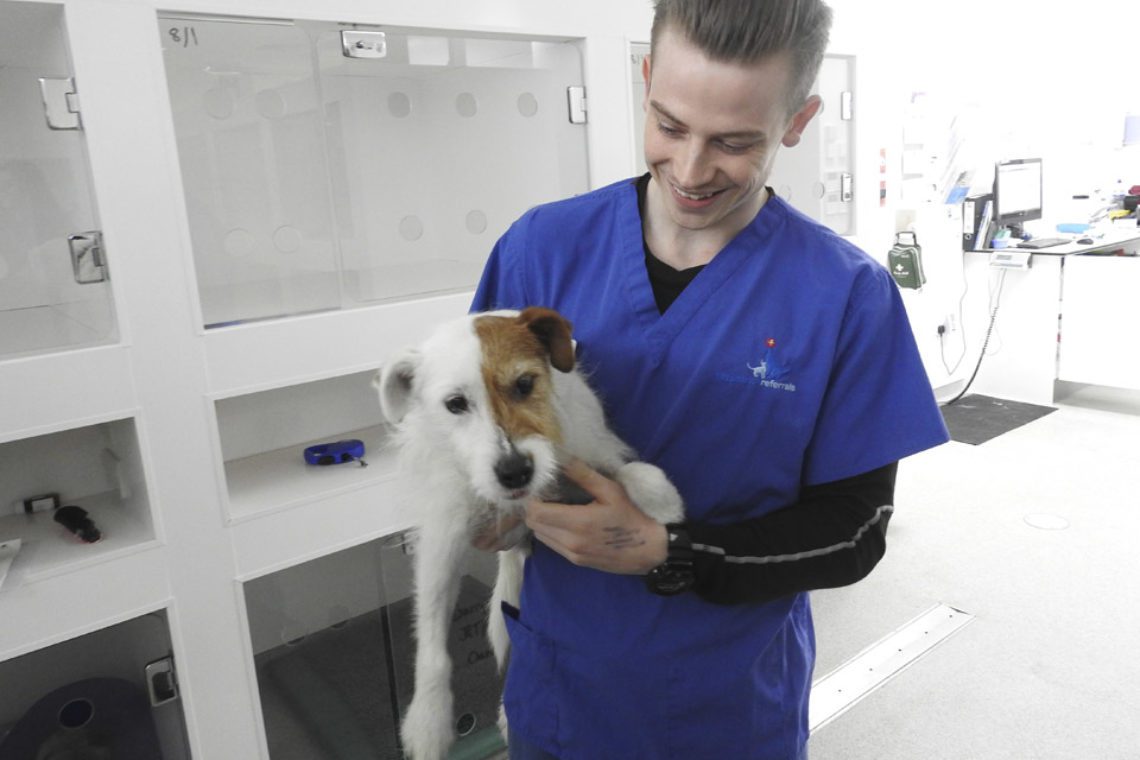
[{"x": 1086, "y": 241}]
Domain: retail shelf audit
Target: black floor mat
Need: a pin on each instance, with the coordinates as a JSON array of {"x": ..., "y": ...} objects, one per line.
[{"x": 975, "y": 419}]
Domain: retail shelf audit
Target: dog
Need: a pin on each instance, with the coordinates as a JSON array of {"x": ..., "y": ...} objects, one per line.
[{"x": 485, "y": 412}]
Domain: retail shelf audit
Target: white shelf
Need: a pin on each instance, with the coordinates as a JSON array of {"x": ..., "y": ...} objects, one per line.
[
  {"x": 61, "y": 606},
  {"x": 65, "y": 390},
  {"x": 53, "y": 328},
  {"x": 281, "y": 479},
  {"x": 319, "y": 528},
  {"x": 49, "y": 549},
  {"x": 276, "y": 353}
]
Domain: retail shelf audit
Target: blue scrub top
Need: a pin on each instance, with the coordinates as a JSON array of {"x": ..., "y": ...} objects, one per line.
[{"x": 788, "y": 361}]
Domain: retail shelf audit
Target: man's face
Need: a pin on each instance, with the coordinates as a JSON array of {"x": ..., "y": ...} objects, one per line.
[{"x": 712, "y": 130}]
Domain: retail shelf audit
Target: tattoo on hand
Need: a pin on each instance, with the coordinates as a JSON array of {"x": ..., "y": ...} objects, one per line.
[{"x": 622, "y": 538}]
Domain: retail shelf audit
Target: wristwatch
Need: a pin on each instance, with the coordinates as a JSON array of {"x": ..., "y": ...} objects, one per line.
[{"x": 675, "y": 574}]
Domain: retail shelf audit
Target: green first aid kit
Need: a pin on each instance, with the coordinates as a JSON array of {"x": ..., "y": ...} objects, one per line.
[{"x": 905, "y": 261}]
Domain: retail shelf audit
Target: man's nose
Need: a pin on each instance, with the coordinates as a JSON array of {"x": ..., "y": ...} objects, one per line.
[{"x": 691, "y": 168}]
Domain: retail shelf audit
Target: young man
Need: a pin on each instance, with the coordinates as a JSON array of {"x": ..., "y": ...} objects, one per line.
[{"x": 763, "y": 362}]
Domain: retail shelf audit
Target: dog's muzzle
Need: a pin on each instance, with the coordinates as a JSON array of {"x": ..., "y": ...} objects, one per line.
[{"x": 515, "y": 470}]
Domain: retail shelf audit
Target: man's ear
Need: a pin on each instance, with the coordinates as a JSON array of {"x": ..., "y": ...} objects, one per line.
[
  {"x": 394, "y": 382},
  {"x": 646, "y": 74},
  {"x": 553, "y": 331},
  {"x": 800, "y": 121}
]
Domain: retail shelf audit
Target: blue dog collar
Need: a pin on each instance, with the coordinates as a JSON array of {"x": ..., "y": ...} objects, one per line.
[{"x": 341, "y": 452}]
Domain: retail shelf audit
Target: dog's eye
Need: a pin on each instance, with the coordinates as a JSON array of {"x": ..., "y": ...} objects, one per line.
[
  {"x": 456, "y": 404},
  {"x": 524, "y": 386}
]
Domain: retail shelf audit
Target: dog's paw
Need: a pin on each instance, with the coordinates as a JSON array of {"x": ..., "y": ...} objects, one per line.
[
  {"x": 504, "y": 727},
  {"x": 651, "y": 491},
  {"x": 426, "y": 730}
]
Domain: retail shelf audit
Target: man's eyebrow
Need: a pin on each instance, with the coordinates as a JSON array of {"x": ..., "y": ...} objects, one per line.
[{"x": 743, "y": 134}]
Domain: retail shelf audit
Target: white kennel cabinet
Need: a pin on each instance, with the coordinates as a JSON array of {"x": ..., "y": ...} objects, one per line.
[{"x": 217, "y": 219}]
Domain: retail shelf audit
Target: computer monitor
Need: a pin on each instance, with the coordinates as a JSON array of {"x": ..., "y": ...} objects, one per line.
[{"x": 1017, "y": 193}]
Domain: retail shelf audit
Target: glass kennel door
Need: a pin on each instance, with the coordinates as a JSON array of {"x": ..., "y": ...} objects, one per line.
[
  {"x": 334, "y": 652},
  {"x": 328, "y": 166},
  {"x": 54, "y": 284}
]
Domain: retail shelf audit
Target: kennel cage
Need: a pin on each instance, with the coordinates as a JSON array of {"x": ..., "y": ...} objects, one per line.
[
  {"x": 334, "y": 654},
  {"x": 110, "y": 693},
  {"x": 55, "y": 289},
  {"x": 327, "y": 166}
]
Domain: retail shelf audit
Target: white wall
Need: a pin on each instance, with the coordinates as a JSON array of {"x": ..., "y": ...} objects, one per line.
[{"x": 1025, "y": 79}]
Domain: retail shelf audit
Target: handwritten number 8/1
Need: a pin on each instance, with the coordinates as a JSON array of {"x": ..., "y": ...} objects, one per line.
[{"x": 184, "y": 36}]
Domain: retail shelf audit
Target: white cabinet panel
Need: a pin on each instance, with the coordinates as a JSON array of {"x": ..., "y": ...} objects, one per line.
[{"x": 1100, "y": 318}]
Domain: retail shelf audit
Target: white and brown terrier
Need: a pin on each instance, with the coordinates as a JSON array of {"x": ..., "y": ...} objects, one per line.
[{"x": 486, "y": 410}]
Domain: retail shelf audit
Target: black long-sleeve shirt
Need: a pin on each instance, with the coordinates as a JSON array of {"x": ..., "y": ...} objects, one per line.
[{"x": 833, "y": 536}]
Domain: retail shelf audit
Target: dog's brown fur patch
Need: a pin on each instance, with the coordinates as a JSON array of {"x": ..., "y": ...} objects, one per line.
[{"x": 511, "y": 350}]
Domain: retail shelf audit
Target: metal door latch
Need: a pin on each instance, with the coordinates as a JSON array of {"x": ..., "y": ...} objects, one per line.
[
  {"x": 846, "y": 106},
  {"x": 87, "y": 260},
  {"x": 161, "y": 681},
  {"x": 363, "y": 44},
  {"x": 61, "y": 103},
  {"x": 576, "y": 102}
]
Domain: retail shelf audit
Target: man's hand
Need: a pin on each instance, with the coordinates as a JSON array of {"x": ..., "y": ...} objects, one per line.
[
  {"x": 499, "y": 535},
  {"x": 609, "y": 534}
]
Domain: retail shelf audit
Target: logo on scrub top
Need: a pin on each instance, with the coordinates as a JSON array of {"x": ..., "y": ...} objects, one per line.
[{"x": 771, "y": 371}]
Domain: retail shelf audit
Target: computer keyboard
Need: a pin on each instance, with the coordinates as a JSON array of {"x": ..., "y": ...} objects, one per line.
[{"x": 1043, "y": 242}]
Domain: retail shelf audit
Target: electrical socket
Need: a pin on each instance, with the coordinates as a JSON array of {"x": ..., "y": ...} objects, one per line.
[{"x": 951, "y": 323}]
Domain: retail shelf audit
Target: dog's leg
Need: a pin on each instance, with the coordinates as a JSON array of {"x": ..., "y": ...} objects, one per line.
[
  {"x": 651, "y": 491},
  {"x": 507, "y": 586},
  {"x": 426, "y": 730}
]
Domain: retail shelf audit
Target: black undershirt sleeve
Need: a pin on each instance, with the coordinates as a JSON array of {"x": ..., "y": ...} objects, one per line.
[{"x": 833, "y": 536}]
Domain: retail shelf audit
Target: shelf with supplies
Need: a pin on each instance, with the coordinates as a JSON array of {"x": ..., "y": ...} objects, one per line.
[
  {"x": 93, "y": 475},
  {"x": 262, "y": 438}
]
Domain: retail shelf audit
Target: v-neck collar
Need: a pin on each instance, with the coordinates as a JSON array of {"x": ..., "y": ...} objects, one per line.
[{"x": 661, "y": 329}]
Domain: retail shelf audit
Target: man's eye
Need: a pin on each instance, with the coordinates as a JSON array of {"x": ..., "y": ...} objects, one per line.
[
  {"x": 666, "y": 129},
  {"x": 524, "y": 386},
  {"x": 456, "y": 404}
]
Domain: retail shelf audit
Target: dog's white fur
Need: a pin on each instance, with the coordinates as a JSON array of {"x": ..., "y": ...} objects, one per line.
[{"x": 452, "y": 457}]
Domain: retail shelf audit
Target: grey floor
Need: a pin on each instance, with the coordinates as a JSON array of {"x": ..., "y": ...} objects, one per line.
[{"x": 1049, "y": 668}]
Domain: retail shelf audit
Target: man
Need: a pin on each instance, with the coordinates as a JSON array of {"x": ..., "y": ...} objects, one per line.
[{"x": 763, "y": 362}]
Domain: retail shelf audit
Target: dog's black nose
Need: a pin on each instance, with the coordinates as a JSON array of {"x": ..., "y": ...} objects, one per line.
[{"x": 514, "y": 470}]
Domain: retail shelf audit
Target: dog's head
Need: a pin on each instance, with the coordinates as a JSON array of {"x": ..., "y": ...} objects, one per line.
[{"x": 479, "y": 394}]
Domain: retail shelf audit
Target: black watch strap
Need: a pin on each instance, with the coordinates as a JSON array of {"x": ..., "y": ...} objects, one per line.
[{"x": 675, "y": 574}]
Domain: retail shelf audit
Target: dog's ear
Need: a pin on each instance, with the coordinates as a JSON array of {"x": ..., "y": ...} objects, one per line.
[
  {"x": 553, "y": 330},
  {"x": 394, "y": 382}
]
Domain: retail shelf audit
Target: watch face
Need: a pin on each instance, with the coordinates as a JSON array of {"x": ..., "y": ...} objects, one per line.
[{"x": 668, "y": 581}]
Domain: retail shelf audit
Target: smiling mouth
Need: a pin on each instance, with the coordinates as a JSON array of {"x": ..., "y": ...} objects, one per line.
[{"x": 694, "y": 200}]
